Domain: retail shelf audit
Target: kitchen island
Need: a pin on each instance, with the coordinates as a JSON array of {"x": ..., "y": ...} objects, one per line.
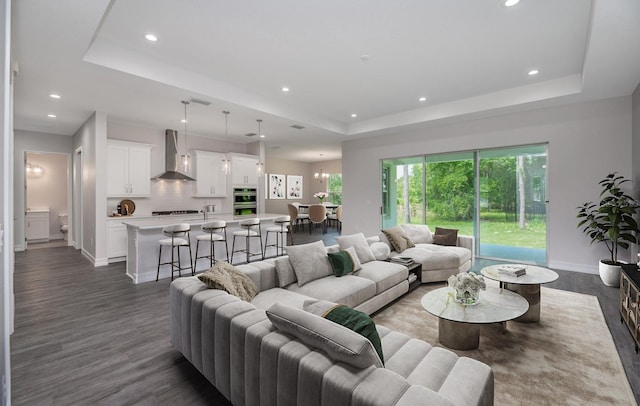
[{"x": 144, "y": 233}]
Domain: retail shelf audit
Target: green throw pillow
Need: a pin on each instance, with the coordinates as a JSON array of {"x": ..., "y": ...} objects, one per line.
[
  {"x": 341, "y": 263},
  {"x": 359, "y": 322}
]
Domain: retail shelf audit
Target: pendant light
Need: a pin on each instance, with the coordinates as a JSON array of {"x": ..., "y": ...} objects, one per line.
[
  {"x": 259, "y": 165},
  {"x": 185, "y": 159},
  {"x": 226, "y": 162}
]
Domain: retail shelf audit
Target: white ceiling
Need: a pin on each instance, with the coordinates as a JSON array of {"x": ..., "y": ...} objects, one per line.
[{"x": 370, "y": 57}]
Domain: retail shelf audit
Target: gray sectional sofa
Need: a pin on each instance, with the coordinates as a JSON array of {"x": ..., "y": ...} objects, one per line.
[{"x": 271, "y": 352}]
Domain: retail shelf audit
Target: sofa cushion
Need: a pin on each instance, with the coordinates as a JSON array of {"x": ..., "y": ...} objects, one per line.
[
  {"x": 380, "y": 250},
  {"x": 225, "y": 276},
  {"x": 345, "y": 316},
  {"x": 446, "y": 236},
  {"x": 418, "y": 233},
  {"x": 383, "y": 274},
  {"x": 348, "y": 290},
  {"x": 285, "y": 272},
  {"x": 267, "y": 298},
  {"x": 398, "y": 239},
  {"x": 340, "y": 343},
  {"x": 357, "y": 265},
  {"x": 309, "y": 261},
  {"x": 359, "y": 243}
]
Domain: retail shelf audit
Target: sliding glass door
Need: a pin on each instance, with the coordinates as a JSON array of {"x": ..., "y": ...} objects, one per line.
[
  {"x": 512, "y": 211},
  {"x": 497, "y": 195}
]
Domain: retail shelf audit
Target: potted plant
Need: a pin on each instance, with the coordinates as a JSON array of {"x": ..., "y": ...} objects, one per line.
[{"x": 611, "y": 221}]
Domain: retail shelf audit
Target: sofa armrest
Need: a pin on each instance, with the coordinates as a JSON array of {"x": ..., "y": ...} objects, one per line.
[{"x": 467, "y": 241}]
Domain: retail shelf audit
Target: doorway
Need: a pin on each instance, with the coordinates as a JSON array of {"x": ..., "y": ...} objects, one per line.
[{"x": 47, "y": 203}]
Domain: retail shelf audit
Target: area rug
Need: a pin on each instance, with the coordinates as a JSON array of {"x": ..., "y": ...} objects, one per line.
[{"x": 568, "y": 358}]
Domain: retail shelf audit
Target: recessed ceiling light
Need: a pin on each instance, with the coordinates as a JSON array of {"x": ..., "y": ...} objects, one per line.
[
  {"x": 54, "y": 96},
  {"x": 354, "y": 115},
  {"x": 51, "y": 115},
  {"x": 533, "y": 72},
  {"x": 151, "y": 37},
  {"x": 285, "y": 89},
  {"x": 422, "y": 99},
  {"x": 511, "y": 3},
  {"x": 183, "y": 121},
  {"x": 262, "y": 135}
]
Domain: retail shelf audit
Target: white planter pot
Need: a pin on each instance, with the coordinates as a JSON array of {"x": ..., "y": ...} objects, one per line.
[{"x": 610, "y": 274}]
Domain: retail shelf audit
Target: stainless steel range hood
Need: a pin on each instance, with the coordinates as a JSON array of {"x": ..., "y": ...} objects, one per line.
[{"x": 171, "y": 159}]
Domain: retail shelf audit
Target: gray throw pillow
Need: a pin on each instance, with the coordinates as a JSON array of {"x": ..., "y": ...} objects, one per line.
[
  {"x": 309, "y": 261},
  {"x": 359, "y": 243},
  {"x": 446, "y": 236},
  {"x": 285, "y": 272},
  {"x": 338, "y": 342}
]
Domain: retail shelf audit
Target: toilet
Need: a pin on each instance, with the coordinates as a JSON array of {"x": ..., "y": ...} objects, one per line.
[{"x": 64, "y": 223}]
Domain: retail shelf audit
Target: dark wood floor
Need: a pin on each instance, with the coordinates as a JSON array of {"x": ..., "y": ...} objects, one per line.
[{"x": 89, "y": 335}]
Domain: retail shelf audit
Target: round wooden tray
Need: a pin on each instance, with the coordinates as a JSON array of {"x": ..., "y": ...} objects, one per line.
[{"x": 131, "y": 207}]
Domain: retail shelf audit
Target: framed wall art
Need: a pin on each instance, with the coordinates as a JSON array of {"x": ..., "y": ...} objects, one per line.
[
  {"x": 276, "y": 186},
  {"x": 294, "y": 187}
]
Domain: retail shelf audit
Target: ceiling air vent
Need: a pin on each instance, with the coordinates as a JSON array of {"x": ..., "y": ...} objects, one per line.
[
  {"x": 250, "y": 134},
  {"x": 203, "y": 102},
  {"x": 297, "y": 126}
]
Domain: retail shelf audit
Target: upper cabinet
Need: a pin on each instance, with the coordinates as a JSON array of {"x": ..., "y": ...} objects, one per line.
[
  {"x": 243, "y": 170},
  {"x": 129, "y": 169},
  {"x": 210, "y": 179}
]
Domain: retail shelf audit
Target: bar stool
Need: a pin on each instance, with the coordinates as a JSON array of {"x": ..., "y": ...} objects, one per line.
[
  {"x": 251, "y": 226},
  {"x": 214, "y": 231},
  {"x": 178, "y": 237},
  {"x": 281, "y": 228}
]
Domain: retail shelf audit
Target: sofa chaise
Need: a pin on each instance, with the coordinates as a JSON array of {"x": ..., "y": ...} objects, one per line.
[{"x": 438, "y": 261}]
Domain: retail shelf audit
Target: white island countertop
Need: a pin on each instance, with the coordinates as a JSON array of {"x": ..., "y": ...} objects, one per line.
[
  {"x": 157, "y": 222},
  {"x": 143, "y": 249}
]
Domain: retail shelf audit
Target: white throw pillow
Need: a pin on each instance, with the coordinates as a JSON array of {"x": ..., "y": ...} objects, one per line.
[
  {"x": 418, "y": 233},
  {"x": 354, "y": 256},
  {"x": 359, "y": 243},
  {"x": 380, "y": 250},
  {"x": 309, "y": 261}
]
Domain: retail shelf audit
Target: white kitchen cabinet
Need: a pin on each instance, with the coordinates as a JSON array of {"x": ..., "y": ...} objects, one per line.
[
  {"x": 116, "y": 240},
  {"x": 244, "y": 170},
  {"x": 129, "y": 169},
  {"x": 37, "y": 225},
  {"x": 211, "y": 181}
]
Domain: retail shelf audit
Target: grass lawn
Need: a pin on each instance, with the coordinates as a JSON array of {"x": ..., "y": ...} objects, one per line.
[{"x": 495, "y": 229}]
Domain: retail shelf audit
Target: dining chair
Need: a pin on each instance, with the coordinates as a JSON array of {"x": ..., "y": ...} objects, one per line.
[
  {"x": 296, "y": 216},
  {"x": 318, "y": 215},
  {"x": 336, "y": 217}
]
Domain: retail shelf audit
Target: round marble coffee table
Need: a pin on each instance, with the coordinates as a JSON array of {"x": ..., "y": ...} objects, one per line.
[
  {"x": 527, "y": 286},
  {"x": 459, "y": 325}
]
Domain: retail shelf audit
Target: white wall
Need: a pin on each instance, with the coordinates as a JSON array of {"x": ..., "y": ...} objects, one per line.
[
  {"x": 87, "y": 137},
  {"x": 586, "y": 142}
]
